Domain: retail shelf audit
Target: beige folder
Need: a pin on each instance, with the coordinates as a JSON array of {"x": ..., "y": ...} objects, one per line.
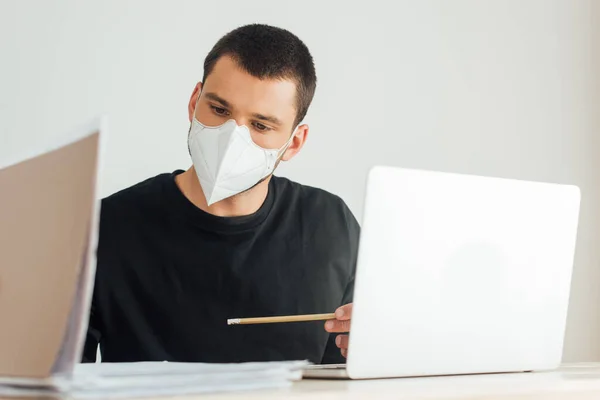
[{"x": 48, "y": 236}]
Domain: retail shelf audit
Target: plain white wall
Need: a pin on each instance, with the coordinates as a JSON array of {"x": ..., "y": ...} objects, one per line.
[{"x": 506, "y": 88}]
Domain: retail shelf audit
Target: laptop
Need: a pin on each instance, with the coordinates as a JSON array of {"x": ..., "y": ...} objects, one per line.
[
  {"x": 459, "y": 274},
  {"x": 48, "y": 234}
]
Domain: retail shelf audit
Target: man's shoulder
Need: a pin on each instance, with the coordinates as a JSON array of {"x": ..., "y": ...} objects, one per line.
[
  {"x": 314, "y": 200},
  {"x": 305, "y": 192},
  {"x": 139, "y": 195}
]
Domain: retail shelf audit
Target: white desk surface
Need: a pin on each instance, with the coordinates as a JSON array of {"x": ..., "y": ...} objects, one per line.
[{"x": 572, "y": 381}]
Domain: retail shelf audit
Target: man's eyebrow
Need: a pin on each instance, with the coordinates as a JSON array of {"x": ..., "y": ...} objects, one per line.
[
  {"x": 218, "y": 99},
  {"x": 267, "y": 118}
]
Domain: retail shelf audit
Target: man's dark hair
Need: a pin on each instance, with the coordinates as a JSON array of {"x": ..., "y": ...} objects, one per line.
[{"x": 267, "y": 52}]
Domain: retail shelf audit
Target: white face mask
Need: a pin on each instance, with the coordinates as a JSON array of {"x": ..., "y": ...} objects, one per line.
[{"x": 226, "y": 159}]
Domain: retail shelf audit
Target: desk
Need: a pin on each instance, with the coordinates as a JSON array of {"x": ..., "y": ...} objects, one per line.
[{"x": 572, "y": 382}]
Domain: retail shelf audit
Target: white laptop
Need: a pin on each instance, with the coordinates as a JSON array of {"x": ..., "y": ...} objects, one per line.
[{"x": 459, "y": 274}]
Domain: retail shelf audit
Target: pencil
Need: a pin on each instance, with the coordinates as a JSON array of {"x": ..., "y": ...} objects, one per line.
[{"x": 285, "y": 318}]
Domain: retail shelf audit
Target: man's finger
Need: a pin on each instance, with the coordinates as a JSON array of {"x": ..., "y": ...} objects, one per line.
[
  {"x": 342, "y": 341},
  {"x": 344, "y": 353},
  {"x": 344, "y": 313},
  {"x": 335, "y": 326}
]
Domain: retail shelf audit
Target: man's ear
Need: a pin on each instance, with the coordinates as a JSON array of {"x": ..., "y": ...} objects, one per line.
[
  {"x": 297, "y": 143},
  {"x": 194, "y": 100}
]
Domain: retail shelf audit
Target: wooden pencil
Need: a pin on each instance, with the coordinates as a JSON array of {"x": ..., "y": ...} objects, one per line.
[{"x": 281, "y": 319}]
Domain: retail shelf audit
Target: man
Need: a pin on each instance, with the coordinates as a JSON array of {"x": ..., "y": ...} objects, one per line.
[{"x": 181, "y": 253}]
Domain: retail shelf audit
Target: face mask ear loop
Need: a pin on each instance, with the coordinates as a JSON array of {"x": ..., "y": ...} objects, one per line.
[
  {"x": 196, "y": 106},
  {"x": 287, "y": 144},
  {"x": 192, "y": 121}
]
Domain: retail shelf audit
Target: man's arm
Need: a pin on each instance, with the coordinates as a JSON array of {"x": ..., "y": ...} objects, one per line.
[
  {"x": 336, "y": 353},
  {"x": 93, "y": 337},
  {"x": 332, "y": 354},
  {"x": 105, "y": 255}
]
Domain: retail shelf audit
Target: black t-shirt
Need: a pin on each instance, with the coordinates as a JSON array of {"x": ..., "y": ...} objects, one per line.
[{"x": 169, "y": 276}]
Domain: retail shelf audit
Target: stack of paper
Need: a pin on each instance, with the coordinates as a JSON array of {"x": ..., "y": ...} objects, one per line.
[{"x": 126, "y": 380}]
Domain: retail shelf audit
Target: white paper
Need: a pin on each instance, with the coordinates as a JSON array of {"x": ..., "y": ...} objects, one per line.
[
  {"x": 120, "y": 380},
  {"x": 178, "y": 368}
]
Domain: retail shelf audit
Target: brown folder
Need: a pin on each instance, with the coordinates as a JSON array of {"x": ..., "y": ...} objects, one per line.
[{"x": 48, "y": 236}]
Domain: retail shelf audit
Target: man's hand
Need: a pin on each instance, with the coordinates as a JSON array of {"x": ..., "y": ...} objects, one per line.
[{"x": 341, "y": 324}]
